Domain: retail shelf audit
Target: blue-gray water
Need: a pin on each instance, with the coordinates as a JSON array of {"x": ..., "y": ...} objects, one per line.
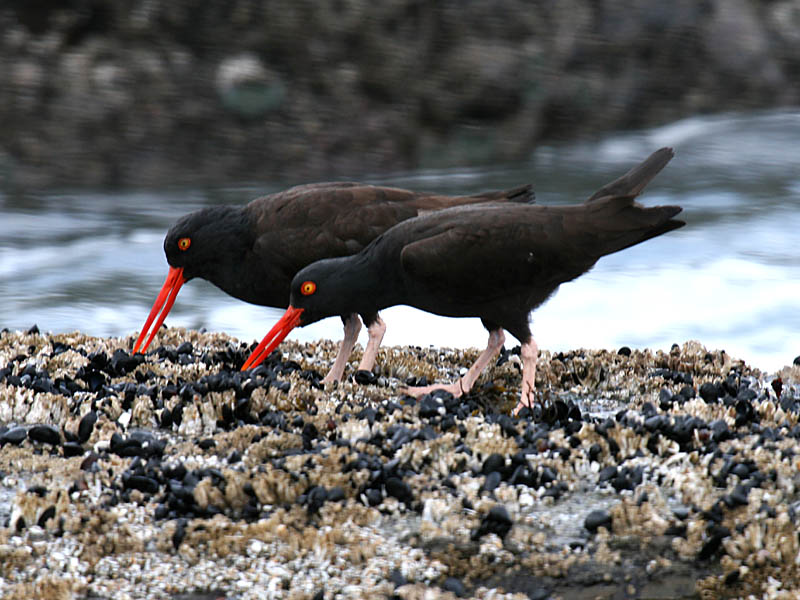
[{"x": 93, "y": 261}]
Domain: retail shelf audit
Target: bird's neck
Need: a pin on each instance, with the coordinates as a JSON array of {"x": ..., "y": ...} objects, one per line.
[
  {"x": 374, "y": 285},
  {"x": 237, "y": 270},
  {"x": 354, "y": 284}
]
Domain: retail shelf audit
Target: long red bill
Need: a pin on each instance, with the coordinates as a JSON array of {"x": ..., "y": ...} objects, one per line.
[
  {"x": 276, "y": 335},
  {"x": 165, "y": 300}
]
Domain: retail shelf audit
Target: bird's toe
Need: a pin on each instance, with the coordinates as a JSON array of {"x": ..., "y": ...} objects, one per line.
[{"x": 419, "y": 391}]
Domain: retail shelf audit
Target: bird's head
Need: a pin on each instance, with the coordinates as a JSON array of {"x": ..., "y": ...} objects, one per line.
[
  {"x": 196, "y": 242},
  {"x": 195, "y": 246},
  {"x": 318, "y": 291},
  {"x": 324, "y": 289}
]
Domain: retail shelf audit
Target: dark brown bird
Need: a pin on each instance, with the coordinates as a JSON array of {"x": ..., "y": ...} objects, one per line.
[
  {"x": 252, "y": 252},
  {"x": 496, "y": 262}
]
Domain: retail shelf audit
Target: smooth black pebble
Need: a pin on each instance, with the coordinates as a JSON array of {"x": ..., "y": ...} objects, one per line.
[
  {"x": 681, "y": 512},
  {"x": 145, "y": 484},
  {"x": 72, "y": 449},
  {"x": 430, "y": 407},
  {"x": 315, "y": 498},
  {"x": 364, "y": 377},
  {"x": 86, "y": 426},
  {"x": 597, "y": 519},
  {"x": 179, "y": 534},
  {"x": 493, "y": 462},
  {"x": 710, "y": 392},
  {"x": 496, "y": 521},
  {"x": 397, "y": 488},
  {"x": 374, "y": 496},
  {"x": 15, "y": 435},
  {"x": 396, "y": 577},
  {"x": 491, "y": 482},
  {"x": 45, "y": 434},
  {"x": 451, "y": 584}
]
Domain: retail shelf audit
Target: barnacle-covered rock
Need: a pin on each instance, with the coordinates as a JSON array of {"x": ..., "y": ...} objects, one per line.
[{"x": 174, "y": 471}]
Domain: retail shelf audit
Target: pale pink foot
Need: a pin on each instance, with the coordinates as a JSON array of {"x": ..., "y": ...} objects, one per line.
[
  {"x": 529, "y": 353},
  {"x": 464, "y": 385},
  {"x": 375, "y": 331},
  {"x": 419, "y": 391},
  {"x": 352, "y": 325}
]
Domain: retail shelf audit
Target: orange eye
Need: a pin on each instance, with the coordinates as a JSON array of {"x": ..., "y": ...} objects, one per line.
[
  {"x": 308, "y": 288},
  {"x": 184, "y": 243}
]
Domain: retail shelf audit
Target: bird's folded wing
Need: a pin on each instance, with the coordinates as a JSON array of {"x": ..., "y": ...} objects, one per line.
[
  {"x": 480, "y": 263},
  {"x": 321, "y": 221}
]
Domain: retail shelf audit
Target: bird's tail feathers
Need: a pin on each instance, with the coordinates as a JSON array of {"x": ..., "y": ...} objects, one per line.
[
  {"x": 635, "y": 180},
  {"x": 619, "y": 222}
]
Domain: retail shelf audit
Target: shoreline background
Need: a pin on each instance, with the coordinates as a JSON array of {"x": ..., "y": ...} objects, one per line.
[
  {"x": 93, "y": 260},
  {"x": 104, "y": 93}
]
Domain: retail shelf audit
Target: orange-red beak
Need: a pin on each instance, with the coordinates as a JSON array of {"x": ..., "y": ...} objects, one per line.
[
  {"x": 165, "y": 300},
  {"x": 276, "y": 335}
]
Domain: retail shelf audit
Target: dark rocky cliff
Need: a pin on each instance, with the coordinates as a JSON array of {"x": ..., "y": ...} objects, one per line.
[{"x": 113, "y": 92}]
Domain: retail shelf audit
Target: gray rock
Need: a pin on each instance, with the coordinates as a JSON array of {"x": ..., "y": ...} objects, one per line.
[{"x": 168, "y": 93}]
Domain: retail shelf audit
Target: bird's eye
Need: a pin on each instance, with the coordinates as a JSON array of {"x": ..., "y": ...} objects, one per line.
[
  {"x": 308, "y": 288},
  {"x": 184, "y": 243}
]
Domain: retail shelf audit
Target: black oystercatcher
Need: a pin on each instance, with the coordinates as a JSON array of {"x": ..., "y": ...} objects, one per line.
[
  {"x": 496, "y": 262},
  {"x": 253, "y": 251}
]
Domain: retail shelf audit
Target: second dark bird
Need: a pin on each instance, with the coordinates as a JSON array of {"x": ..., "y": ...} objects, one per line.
[{"x": 495, "y": 262}]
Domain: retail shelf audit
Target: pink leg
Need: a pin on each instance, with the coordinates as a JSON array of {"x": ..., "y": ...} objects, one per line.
[
  {"x": 376, "y": 331},
  {"x": 352, "y": 325},
  {"x": 464, "y": 385},
  {"x": 529, "y": 354}
]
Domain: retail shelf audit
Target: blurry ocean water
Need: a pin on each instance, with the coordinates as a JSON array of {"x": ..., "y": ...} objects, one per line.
[{"x": 93, "y": 260}]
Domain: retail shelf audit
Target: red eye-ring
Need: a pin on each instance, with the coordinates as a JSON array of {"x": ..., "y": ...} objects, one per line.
[
  {"x": 308, "y": 288},
  {"x": 184, "y": 243}
]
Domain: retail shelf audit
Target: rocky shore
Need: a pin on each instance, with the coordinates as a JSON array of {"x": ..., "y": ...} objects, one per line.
[
  {"x": 101, "y": 92},
  {"x": 643, "y": 474}
]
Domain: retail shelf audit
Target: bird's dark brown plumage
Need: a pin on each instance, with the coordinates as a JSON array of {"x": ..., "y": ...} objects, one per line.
[
  {"x": 252, "y": 252},
  {"x": 495, "y": 262}
]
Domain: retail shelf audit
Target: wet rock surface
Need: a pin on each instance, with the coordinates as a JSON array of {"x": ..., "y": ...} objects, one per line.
[
  {"x": 108, "y": 93},
  {"x": 640, "y": 474}
]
